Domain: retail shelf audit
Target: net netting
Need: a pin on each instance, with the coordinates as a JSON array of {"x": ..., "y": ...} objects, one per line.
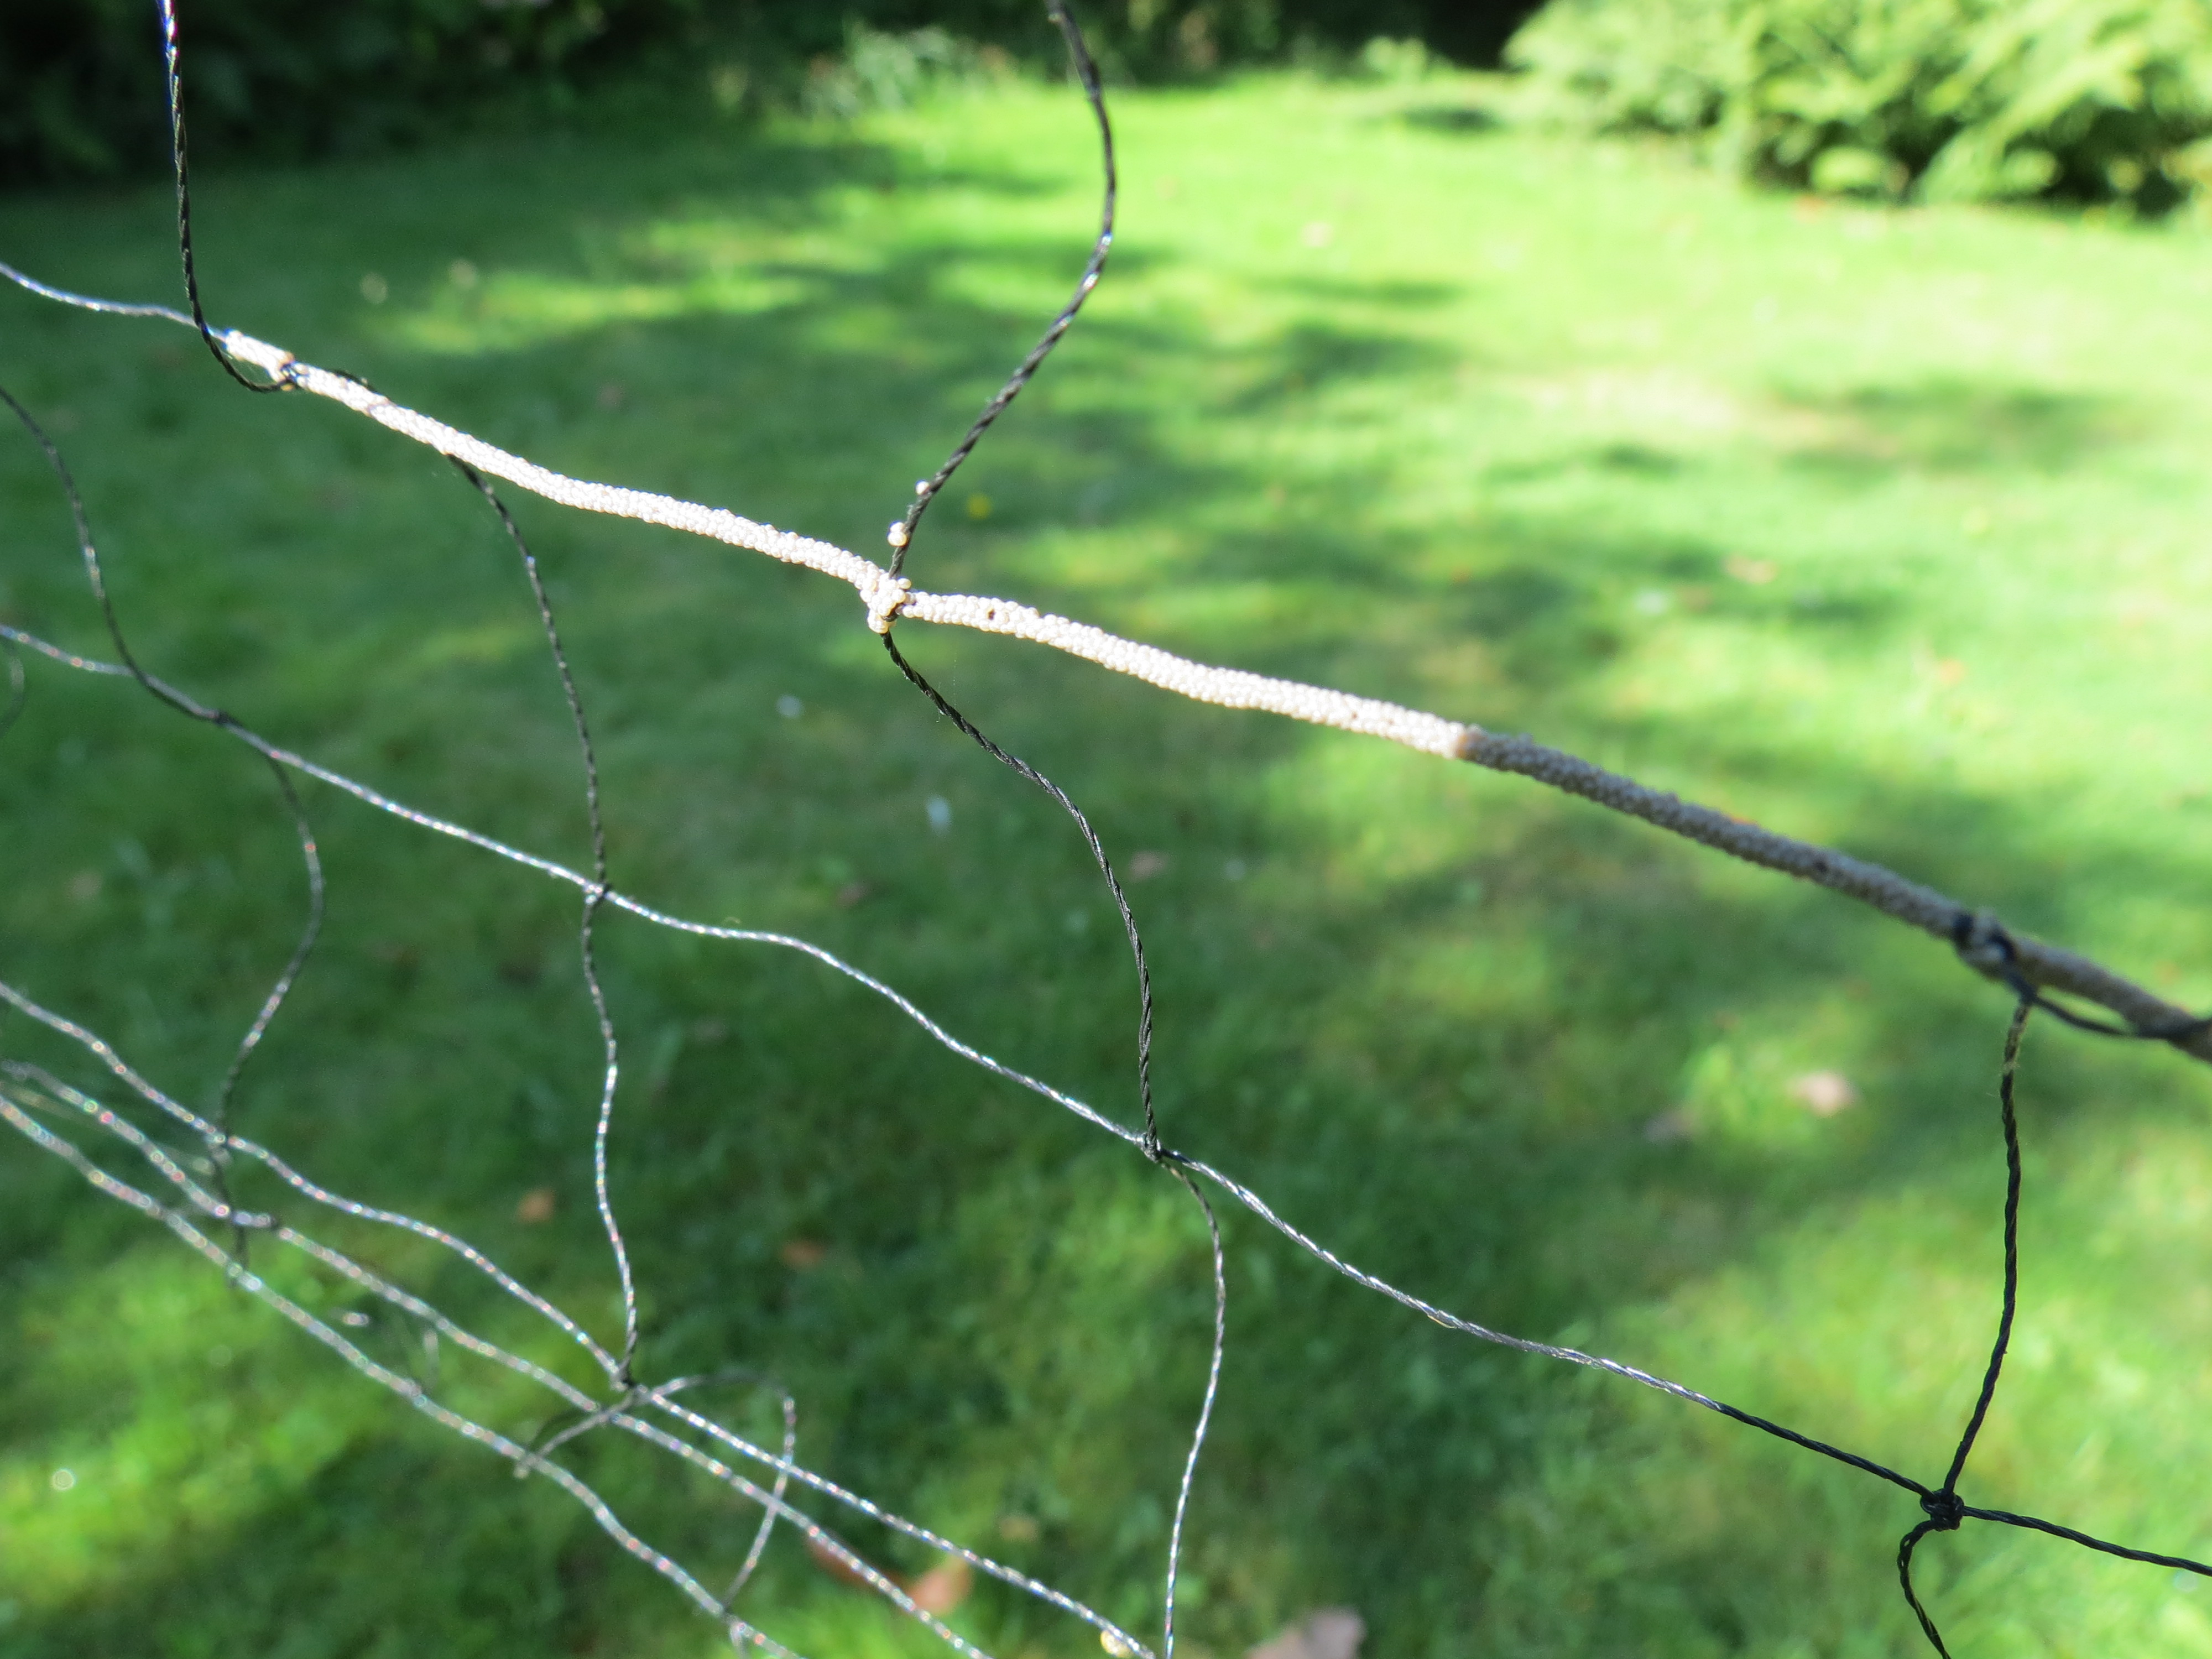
[{"x": 237, "y": 1203}]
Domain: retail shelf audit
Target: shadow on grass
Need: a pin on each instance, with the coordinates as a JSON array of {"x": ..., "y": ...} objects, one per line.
[
  {"x": 1952, "y": 425},
  {"x": 1456, "y": 118}
]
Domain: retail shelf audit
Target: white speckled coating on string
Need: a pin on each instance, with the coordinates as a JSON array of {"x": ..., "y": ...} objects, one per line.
[
  {"x": 1230, "y": 687},
  {"x": 887, "y": 597}
]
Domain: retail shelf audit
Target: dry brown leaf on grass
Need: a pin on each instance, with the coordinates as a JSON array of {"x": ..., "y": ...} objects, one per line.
[
  {"x": 937, "y": 1592},
  {"x": 1324, "y": 1633},
  {"x": 836, "y": 1565},
  {"x": 538, "y": 1205},
  {"x": 1824, "y": 1093},
  {"x": 943, "y": 1588}
]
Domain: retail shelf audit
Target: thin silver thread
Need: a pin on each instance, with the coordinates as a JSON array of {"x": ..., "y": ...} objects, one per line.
[
  {"x": 1086, "y": 73},
  {"x": 1205, "y": 1410},
  {"x": 1244, "y": 1195},
  {"x": 18, "y": 688},
  {"x": 283, "y": 988},
  {"x": 180, "y": 165},
  {"x": 407, "y": 1388},
  {"x": 89, "y": 552},
  {"x": 594, "y": 896}
]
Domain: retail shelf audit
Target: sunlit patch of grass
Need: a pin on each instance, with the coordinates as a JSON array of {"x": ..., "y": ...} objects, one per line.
[
  {"x": 513, "y": 311},
  {"x": 218, "y": 1415}
]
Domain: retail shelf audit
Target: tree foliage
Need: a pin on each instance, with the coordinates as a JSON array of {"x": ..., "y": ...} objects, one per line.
[
  {"x": 1936, "y": 99},
  {"x": 81, "y": 95}
]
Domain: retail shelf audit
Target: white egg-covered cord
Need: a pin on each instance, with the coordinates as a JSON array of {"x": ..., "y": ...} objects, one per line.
[
  {"x": 888, "y": 597},
  {"x": 2014, "y": 959},
  {"x": 2011, "y": 958}
]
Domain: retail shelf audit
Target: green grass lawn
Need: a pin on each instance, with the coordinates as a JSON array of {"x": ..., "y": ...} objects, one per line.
[{"x": 1887, "y": 529}]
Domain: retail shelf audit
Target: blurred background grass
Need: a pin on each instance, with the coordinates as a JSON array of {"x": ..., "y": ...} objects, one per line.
[{"x": 1883, "y": 526}]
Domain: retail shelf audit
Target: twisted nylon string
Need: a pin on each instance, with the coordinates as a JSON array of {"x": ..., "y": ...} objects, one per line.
[
  {"x": 888, "y": 601},
  {"x": 180, "y": 165},
  {"x": 1151, "y": 1141},
  {"x": 310, "y": 856},
  {"x": 18, "y": 688},
  {"x": 1942, "y": 1506},
  {"x": 1244, "y": 1195},
  {"x": 1086, "y": 73},
  {"x": 594, "y": 896}
]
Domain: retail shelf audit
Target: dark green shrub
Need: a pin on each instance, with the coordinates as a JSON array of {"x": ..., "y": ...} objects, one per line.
[
  {"x": 1975, "y": 100},
  {"x": 81, "y": 92},
  {"x": 81, "y": 83}
]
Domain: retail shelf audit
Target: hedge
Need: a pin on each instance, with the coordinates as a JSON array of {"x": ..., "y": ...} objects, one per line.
[
  {"x": 80, "y": 85},
  {"x": 1930, "y": 100}
]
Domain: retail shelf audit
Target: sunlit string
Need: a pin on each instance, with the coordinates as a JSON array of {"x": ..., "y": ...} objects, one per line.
[
  {"x": 926, "y": 491},
  {"x": 181, "y": 165},
  {"x": 1244, "y": 1195},
  {"x": 407, "y": 1388},
  {"x": 18, "y": 688},
  {"x": 533, "y": 1460},
  {"x": 595, "y": 893},
  {"x": 274, "y": 1001}
]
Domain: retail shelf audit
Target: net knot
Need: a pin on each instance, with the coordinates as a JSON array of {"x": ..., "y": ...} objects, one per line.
[
  {"x": 1982, "y": 942},
  {"x": 279, "y": 365},
  {"x": 885, "y": 595},
  {"x": 1944, "y": 1510}
]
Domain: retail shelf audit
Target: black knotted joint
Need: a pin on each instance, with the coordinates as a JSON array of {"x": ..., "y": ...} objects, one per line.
[{"x": 1944, "y": 1510}]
